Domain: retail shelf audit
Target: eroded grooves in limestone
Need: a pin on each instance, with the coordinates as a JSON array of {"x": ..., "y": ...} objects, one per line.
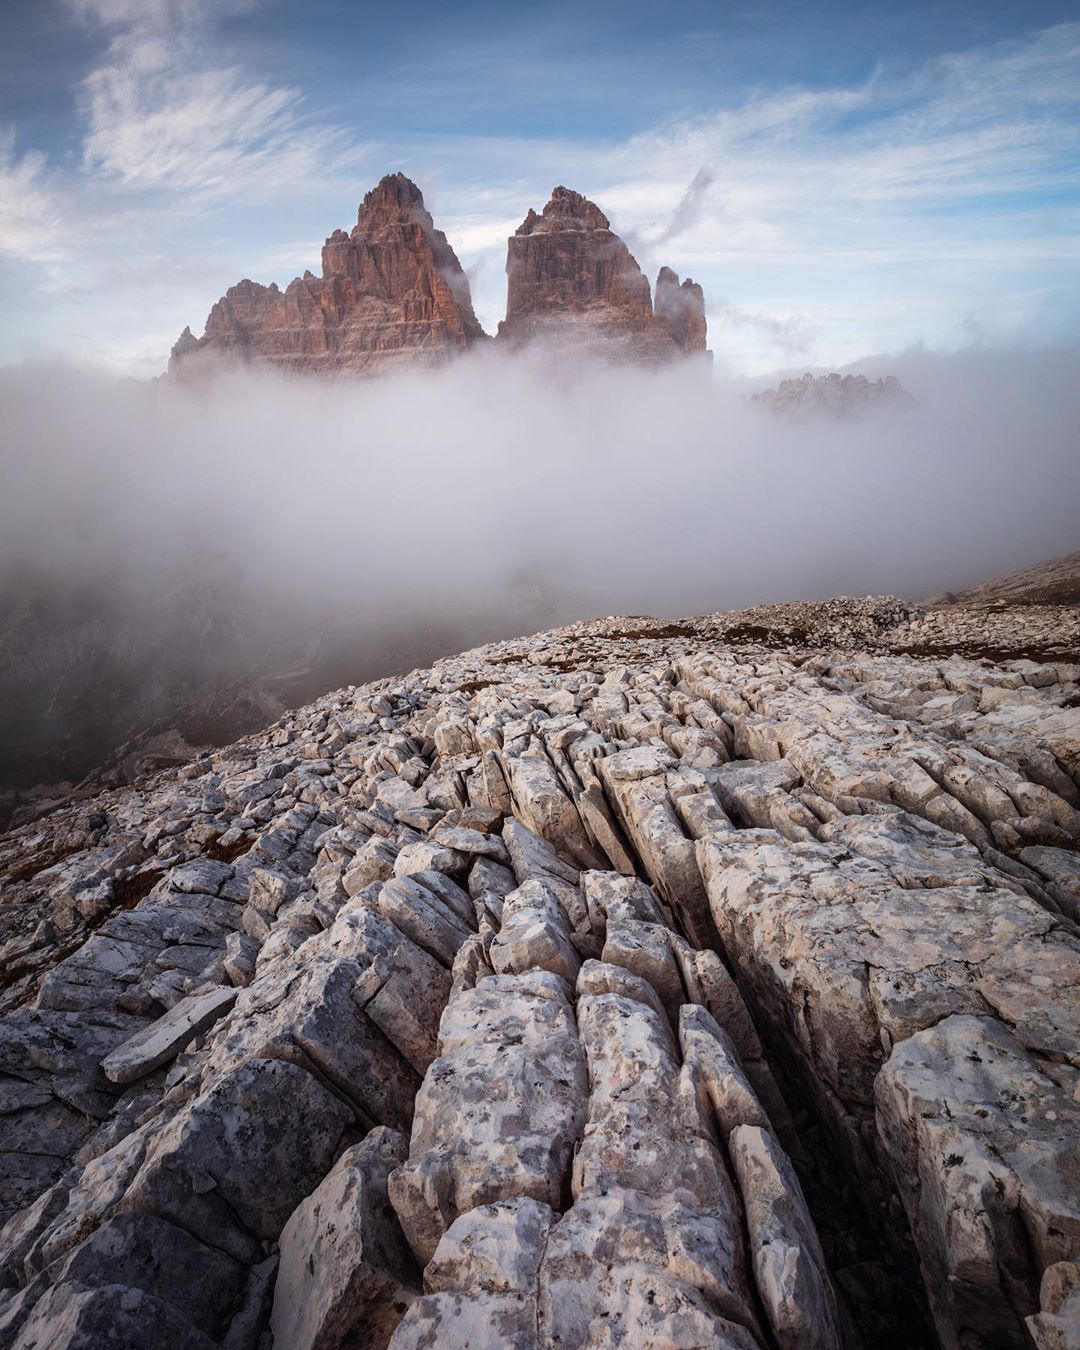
[{"x": 623, "y": 985}]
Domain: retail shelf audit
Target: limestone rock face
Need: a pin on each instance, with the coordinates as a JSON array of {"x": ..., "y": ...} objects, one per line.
[
  {"x": 572, "y": 281},
  {"x": 697, "y": 983},
  {"x": 342, "y": 1258},
  {"x": 392, "y": 294}
]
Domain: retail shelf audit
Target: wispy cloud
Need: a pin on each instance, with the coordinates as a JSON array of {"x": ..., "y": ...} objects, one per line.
[
  {"x": 688, "y": 208},
  {"x": 989, "y": 124},
  {"x": 791, "y": 336},
  {"x": 29, "y": 210},
  {"x": 162, "y": 115}
]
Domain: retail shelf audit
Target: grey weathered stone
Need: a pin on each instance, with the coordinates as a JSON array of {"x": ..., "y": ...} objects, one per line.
[
  {"x": 534, "y": 934},
  {"x": 206, "y": 1170},
  {"x": 69, "y": 1317},
  {"x": 789, "y": 1266},
  {"x": 346, "y": 1274},
  {"x": 163, "y": 1040},
  {"x": 712, "y": 1062}
]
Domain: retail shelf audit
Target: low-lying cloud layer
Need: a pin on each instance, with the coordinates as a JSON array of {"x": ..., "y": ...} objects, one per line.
[{"x": 426, "y": 512}]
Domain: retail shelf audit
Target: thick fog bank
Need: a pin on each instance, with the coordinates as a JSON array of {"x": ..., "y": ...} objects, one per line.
[{"x": 158, "y": 537}]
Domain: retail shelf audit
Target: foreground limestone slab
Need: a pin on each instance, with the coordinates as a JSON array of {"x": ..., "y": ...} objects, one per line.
[
  {"x": 655, "y": 1213},
  {"x": 346, "y": 1275},
  {"x": 984, "y": 1144},
  {"x": 309, "y": 1014},
  {"x": 595, "y": 1157},
  {"x": 499, "y": 1111},
  {"x": 789, "y": 1266},
  {"x": 72, "y": 1318},
  {"x": 233, "y": 1165},
  {"x": 456, "y": 1321},
  {"x": 495, "y": 1249}
]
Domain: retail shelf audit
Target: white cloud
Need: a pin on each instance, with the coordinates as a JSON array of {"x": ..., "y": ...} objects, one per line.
[
  {"x": 161, "y": 114},
  {"x": 29, "y": 210}
]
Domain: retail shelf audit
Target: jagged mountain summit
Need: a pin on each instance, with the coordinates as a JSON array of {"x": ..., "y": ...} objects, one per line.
[
  {"x": 710, "y": 982},
  {"x": 393, "y": 294},
  {"x": 834, "y": 395},
  {"x": 572, "y": 280}
]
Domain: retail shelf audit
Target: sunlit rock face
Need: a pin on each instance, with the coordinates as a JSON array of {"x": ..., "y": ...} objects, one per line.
[
  {"x": 392, "y": 294},
  {"x": 571, "y": 281},
  {"x": 697, "y": 982}
]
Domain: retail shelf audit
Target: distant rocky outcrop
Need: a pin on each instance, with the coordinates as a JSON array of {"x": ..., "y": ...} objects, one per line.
[
  {"x": 392, "y": 294},
  {"x": 836, "y": 395},
  {"x": 571, "y": 279},
  {"x": 1056, "y": 582}
]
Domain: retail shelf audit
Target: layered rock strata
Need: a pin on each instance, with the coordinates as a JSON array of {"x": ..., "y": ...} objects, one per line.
[
  {"x": 616, "y": 986},
  {"x": 571, "y": 281},
  {"x": 392, "y": 293}
]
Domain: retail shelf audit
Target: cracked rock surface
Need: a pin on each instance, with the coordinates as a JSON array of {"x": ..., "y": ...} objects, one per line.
[{"x": 638, "y": 983}]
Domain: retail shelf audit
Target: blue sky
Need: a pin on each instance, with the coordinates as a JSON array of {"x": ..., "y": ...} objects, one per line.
[{"x": 843, "y": 179}]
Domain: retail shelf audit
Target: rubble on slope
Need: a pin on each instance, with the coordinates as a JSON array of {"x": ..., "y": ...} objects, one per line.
[
  {"x": 639, "y": 982},
  {"x": 1054, "y": 582}
]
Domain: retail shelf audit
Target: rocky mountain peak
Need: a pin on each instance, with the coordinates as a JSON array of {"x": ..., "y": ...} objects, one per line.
[
  {"x": 683, "y": 306},
  {"x": 392, "y": 294},
  {"x": 393, "y": 193},
  {"x": 185, "y": 345},
  {"x": 572, "y": 281},
  {"x": 567, "y": 210}
]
